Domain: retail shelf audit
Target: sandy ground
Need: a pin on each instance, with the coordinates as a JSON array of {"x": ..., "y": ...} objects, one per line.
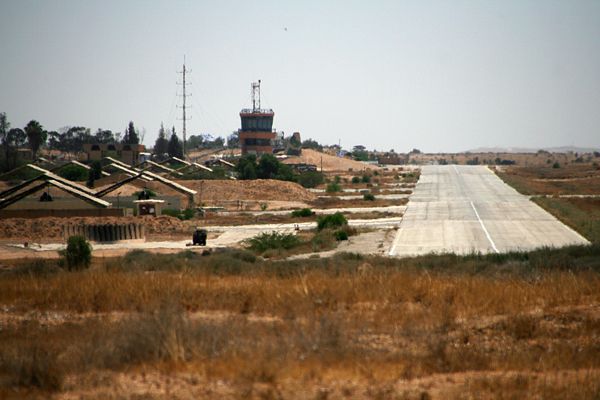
[
  {"x": 377, "y": 242},
  {"x": 219, "y": 237},
  {"x": 330, "y": 163}
]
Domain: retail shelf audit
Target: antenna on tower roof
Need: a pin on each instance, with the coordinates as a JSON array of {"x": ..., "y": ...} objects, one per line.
[{"x": 256, "y": 96}]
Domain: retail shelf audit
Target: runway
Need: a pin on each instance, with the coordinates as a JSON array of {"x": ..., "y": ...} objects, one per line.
[{"x": 466, "y": 209}]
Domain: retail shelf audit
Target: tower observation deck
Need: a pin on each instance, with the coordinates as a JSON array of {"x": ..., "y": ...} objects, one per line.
[{"x": 256, "y": 133}]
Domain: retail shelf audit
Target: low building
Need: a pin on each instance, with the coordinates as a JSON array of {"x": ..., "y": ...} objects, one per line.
[{"x": 127, "y": 153}]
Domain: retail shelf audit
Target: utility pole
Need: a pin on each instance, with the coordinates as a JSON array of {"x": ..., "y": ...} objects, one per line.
[{"x": 184, "y": 107}]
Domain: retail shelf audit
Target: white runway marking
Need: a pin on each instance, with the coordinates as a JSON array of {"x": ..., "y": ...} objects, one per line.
[{"x": 487, "y": 234}]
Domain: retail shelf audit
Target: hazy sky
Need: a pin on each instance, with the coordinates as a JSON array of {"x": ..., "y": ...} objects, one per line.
[{"x": 435, "y": 75}]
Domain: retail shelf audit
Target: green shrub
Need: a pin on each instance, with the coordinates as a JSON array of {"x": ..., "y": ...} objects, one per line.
[
  {"x": 340, "y": 235},
  {"x": 369, "y": 197},
  {"x": 78, "y": 254},
  {"x": 337, "y": 179},
  {"x": 355, "y": 179},
  {"x": 182, "y": 215},
  {"x": 73, "y": 173},
  {"x": 365, "y": 179},
  {"x": 333, "y": 187},
  {"x": 331, "y": 221},
  {"x": 556, "y": 165},
  {"x": 303, "y": 212},
  {"x": 311, "y": 179},
  {"x": 273, "y": 240}
]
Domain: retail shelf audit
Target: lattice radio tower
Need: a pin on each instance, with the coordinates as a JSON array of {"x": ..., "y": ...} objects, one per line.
[
  {"x": 256, "y": 96},
  {"x": 184, "y": 106}
]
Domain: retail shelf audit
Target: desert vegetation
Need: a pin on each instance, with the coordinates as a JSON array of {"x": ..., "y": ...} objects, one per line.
[{"x": 233, "y": 325}]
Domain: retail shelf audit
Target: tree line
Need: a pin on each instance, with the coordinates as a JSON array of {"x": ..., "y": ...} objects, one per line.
[{"x": 71, "y": 140}]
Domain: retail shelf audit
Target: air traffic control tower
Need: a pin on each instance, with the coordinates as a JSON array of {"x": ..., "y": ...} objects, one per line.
[{"x": 256, "y": 134}]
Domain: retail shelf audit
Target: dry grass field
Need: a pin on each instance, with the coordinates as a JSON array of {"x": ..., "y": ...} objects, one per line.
[
  {"x": 556, "y": 187},
  {"x": 572, "y": 179},
  {"x": 229, "y": 325}
]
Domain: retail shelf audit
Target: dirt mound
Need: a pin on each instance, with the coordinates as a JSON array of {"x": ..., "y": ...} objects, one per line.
[
  {"x": 330, "y": 163},
  {"x": 125, "y": 190},
  {"x": 50, "y": 229},
  {"x": 260, "y": 189}
]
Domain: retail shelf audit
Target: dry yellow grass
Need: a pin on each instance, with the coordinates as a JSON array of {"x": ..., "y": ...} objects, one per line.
[{"x": 348, "y": 327}]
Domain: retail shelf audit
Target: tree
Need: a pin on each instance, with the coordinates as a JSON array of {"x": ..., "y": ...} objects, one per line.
[
  {"x": 131, "y": 135},
  {"x": 78, "y": 254},
  {"x": 4, "y": 128},
  {"x": 174, "y": 148},
  {"x": 233, "y": 140},
  {"x": 36, "y": 136},
  {"x": 312, "y": 144},
  {"x": 161, "y": 146},
  {"x": 104, "y": 136},
  {"x": 70, "y": 139},
  {"x": 14, "y": 139},
  {"x": 268, "y": 166},
  {"x": 246, "y": 167},
  {"x": 194, "y": 141},
  {"x": 94, "y": 173}
]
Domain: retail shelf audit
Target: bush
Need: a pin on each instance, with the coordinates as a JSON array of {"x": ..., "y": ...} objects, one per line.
[
  {"x": 274, "y": 240},
  {"x": 369, "y": 197},
  {"x": 333, "y": 187},
  {"x": 556, "y": 165},
  {"x": 331, "y": 221},
  {"x": 74, "y": 173},
  {"x": 337, "y": 179},
  {"x": 182, "y": 215},
  {"x": 340, "y": 235},
  {"x": 322, "y": 240},
  {"x": 355, "y": 179},
  {"x": 304, "y": 212},
  {"x": 78, "y": 254},
  {"x": 366, "y": 179},
  {"x": 311, "y": 179}
]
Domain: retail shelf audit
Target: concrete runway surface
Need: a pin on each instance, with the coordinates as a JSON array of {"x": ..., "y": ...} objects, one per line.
[{"x": 466, "y": 209}]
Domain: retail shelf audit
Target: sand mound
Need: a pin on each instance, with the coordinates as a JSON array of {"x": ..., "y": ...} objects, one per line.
[
  {"x": 50, "y": 229},
  {"x": 125, "y": 190},
  {"x": 260, "y": 189},
  {"x": 330, "y": 163}
]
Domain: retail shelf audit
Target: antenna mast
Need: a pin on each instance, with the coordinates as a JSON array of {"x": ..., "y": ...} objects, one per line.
[
  {"x": 184, "y": 107},
  {"x": 256, "y": 96}
]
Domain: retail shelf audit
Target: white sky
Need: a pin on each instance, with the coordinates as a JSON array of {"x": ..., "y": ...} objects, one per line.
[{"x": 435, "y": 75}]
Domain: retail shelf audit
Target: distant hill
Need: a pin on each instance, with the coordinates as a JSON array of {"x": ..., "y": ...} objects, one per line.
[{"x": 563, "y": 149}]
